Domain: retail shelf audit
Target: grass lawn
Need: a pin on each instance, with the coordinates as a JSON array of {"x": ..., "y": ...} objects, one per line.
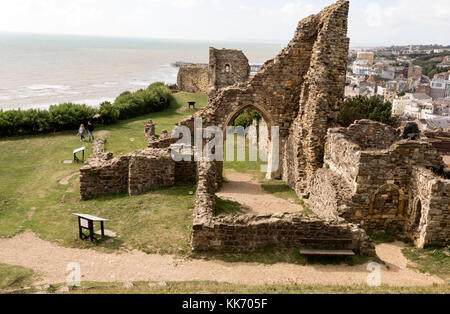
[
  {"x": 209, "y": 287},
  {"x": 15, "y": 277},
  {"x": 226, "y": 288},
  {"x": 434, "y": 261},
  {"x": 32, "y": 198}
]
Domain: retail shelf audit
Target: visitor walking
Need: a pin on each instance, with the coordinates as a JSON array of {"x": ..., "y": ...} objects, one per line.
[
  {"x": 91, "y": 131},
  {"x": 81, "y": 132}
]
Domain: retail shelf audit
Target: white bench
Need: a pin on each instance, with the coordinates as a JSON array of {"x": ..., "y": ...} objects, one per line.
[
  {"x": 87, "y": 222},
  {"x": 76, "y": 151}
]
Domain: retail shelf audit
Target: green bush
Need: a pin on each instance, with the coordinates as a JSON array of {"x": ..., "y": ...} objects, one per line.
[
  {"x": 245, "y": 119},
  {"x": 156, "y": 97},
  {"x": 361, "y": 107},
  {"x": 108, "y": 113},
  {"x": 68, "y": 116}
]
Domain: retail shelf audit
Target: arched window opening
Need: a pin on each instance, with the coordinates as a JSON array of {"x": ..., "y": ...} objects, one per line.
[{"x": 227, "y": 68}]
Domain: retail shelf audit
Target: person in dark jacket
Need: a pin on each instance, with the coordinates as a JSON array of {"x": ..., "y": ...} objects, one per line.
[{"x": 91, "y": 131}]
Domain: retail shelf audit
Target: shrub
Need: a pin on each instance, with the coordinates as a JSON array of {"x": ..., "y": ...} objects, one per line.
[
  {"x": 156, "y": 97},
  {"x": 245, "y": 119},
  {"x": 23, "y": 122},
  {"x": 361, "y": 107},
  {"x": 108, "y": 113},
  {"x": 68, "y": 116}
]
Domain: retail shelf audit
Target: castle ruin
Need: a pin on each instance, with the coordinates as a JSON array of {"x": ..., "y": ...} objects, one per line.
[
  {"x": 365, "y": 177},
  {"x": 226, "y": 67}
]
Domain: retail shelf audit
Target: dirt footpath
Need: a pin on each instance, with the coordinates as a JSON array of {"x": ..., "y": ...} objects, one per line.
[
  {"x": 242, "y": 188},
  {"x": 51, "y": 260}
]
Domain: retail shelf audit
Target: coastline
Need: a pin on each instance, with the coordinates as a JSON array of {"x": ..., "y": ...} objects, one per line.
[
  {"x": 42, "y": 70},
  {"x": 91, "y": 95}
]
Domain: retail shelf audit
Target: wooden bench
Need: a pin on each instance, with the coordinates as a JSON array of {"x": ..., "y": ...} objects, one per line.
[
  {"x": 343, "y": 243},
  {"x": 191, "y": 104},
  {"x": 76, "y": 151},
  {"x": 86, "y": 222},
  {"x": 327, "y": 252}
]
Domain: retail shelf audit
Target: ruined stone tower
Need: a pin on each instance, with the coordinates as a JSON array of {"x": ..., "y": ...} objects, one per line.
[{"x": 226, "y": 67}]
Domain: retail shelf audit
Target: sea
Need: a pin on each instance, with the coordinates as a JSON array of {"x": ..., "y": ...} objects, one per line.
[{"x": 37, "y": 71}]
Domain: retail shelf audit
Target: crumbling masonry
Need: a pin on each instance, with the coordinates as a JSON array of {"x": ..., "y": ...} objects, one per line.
[
  {"x": 366, "y": 176},
  {"x": 226, "y": 67},
  {"x": 193, "y": 79},
  {"x": 377, "y": 179}
]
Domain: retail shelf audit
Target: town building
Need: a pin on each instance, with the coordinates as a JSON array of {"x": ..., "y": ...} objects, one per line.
[{"x": 440, "y": 88}]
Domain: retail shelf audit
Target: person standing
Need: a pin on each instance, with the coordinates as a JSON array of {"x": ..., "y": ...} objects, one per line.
[
  {"x": 81, "y": 132},
  {"x": 91, "y": 131}
]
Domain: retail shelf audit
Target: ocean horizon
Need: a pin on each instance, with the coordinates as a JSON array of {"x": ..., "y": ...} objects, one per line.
[{"x": 42, "y": 70}]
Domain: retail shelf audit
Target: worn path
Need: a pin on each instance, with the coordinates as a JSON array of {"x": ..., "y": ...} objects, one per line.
[
  {"x": 242, "y": 188},
  {"x": 51, "y": 260}
]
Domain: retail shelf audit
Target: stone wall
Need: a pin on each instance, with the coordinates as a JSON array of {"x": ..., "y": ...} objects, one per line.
[
  {"x": 227, "y": 67},
  {"x": 370, "y": 135},
  {"x": 135, "y": 173},
  {"x": 373, "y": 184},
  {"x": 429, "y": 211},
  {"x": 250, "y": 232},
  {"x": 193, "y": 79},
  {"x": 101, "y": 177},
  {"x": 149, "y": 170},
  {"x": 330, "y": 194},
  {"x": 321, "y": 95},
  {"x": 150, "y": 132}
]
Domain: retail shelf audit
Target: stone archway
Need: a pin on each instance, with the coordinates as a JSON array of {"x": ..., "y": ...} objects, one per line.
[{"x": 272, "y": 145}]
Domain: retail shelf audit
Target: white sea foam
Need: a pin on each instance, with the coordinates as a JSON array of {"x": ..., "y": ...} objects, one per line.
[
  {"x": 105, "y": 85},
  {"x": 94, "y": 102},
  {"x": 140, "y": 83},
  {"x": 39, "y": 87}
]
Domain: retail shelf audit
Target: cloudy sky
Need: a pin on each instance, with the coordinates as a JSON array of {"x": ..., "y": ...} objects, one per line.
[{"x": 372, "y": 22}]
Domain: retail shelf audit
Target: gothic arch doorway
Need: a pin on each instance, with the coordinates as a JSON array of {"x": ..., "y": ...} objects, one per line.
[{"x": 257, "y": 133}]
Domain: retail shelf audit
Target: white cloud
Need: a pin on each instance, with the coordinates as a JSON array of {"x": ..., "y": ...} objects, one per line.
[
  {"x": 374, "y": 14},
  {"x": 407, "y": 12},
  {"x": 374, "y": 21},
  {"x": 192, "y": 3},
  {"x": 288, "y": 12}
]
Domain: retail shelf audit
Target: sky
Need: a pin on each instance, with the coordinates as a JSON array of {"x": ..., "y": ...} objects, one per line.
[{"x": 372, "y": 22}]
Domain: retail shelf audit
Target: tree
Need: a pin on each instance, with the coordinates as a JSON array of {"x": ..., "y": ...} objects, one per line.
[
  {"x": 362, "y": 107},
  {"x": 245, "y": 119}
]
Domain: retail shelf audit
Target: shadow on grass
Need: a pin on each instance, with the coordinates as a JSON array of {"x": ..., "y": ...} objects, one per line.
[
  {"x": 271, "y": 256},
  {"x": 226, "y": 207},
  {"x": 108, "y": 243},
  {"x": 388, "y": 236},
  {"x": 276, "y": 188}
]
